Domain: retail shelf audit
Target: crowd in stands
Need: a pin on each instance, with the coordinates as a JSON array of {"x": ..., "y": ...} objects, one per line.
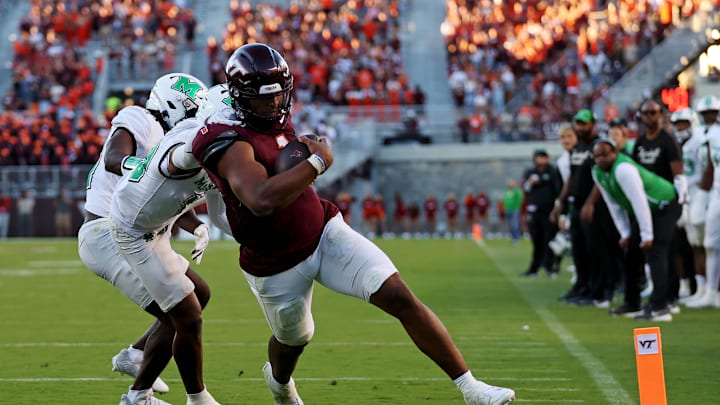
[
  {"x": 553, "y": 56},
  {"x": 46, "y": 117},
  {"x": 341, "y": 53}
]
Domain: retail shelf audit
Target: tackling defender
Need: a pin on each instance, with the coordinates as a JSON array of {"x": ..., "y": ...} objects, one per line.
[
  {"x": 135, "y": 130},
  {"x": 146, "y": 203}
]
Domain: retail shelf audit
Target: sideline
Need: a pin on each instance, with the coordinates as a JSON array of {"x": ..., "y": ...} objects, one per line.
[{"x": 605, "y": 381}]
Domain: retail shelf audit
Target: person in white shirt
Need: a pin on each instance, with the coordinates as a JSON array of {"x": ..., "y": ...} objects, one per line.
[
  {"x": 707, "y": 202},
  {"x": 691, "y": 138},
  {"x": 135, "y": 130},
  {"x": 164, "y": 189}
]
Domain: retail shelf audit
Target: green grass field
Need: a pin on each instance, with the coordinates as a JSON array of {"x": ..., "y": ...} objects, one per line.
[{"x": 60, "y": 325}]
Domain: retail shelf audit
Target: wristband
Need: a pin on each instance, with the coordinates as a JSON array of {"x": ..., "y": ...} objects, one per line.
[{"x": 318, "y": 163}]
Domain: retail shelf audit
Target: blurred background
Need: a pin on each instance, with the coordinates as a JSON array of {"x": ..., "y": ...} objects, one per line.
[{"x": 420, "y": 99}]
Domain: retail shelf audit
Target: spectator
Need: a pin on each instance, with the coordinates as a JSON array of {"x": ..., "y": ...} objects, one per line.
[
  {"x": 413, "y": 213},
  {"x": 25, "y": 206},
  {"x": 64, "y": 205},
  {"x": 400, "y": 216},
  {"x": 369, "y": 218},
  {"x": 482, "y": 203},
  {"x": 512, "y": 203},
  {"x": 380, "y": 218},
  {"x": 430, "y": 207},
  {"x": 470, "y": 206},
  {"x": 464, "y": 128},
  {"x": 344, "y": 203},
  {"x": 5, "y": 208},
  {"x": 452, "y": 208}
]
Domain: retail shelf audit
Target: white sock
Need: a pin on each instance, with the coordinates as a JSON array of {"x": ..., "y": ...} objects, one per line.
[
  {"x": 136, "y": 355},
  {"x": 467, "y": 382},
  {"x": 699, "y": 280},
  {"x": 712, "y": 260},
  {"x": 202, "y": 397},
  {"x": 136, "y": 395}
]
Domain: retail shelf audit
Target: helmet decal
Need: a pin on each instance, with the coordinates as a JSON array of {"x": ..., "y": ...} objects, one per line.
[{"x": 188, "y": 87}]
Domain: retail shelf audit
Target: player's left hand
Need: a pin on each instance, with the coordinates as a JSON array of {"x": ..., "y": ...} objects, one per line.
[{"x": 202, "y": 239}]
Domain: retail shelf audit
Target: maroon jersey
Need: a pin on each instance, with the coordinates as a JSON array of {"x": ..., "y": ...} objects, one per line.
[
  {"x": 451, "y": 208},
  {"x": 274, "y": 243},
  {"x": 431, "y": 207},
  {"x": 470, "y": 205},
  {"x": 344, "y": 205},
  {"x": 482, "y": 203},
  {"x": 400, "y": 209}
]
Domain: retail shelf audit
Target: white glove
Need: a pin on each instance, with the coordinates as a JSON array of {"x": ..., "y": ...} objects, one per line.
[
  {"x": 698, "y": 207},
  {"x": 680, "y": 183},
  {"x": 684, "y": 216},
  {"x": 202, "y": 239}
]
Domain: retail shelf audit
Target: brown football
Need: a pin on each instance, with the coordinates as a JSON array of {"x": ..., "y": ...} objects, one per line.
[{"x": 293, "y": 153}]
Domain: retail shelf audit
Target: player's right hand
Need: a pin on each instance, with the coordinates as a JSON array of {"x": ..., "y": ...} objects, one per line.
[{"x": 320, "y": 148}]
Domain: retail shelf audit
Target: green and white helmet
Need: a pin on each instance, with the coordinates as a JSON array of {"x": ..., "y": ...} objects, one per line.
[
  {"x": 217, "y": 97},
  {"x": 707, "y": 103},
  {"x": 686, "y": 114},
  {"x": 177, "y": 96}
]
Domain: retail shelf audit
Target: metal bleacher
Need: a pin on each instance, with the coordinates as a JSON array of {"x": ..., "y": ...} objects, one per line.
[{"x": 666, "y": 60}]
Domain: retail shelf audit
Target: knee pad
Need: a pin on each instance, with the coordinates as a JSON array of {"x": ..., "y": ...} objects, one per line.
[{"x": 294, "y": 325}]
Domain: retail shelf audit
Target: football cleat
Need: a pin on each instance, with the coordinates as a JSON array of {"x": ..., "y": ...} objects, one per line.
[
  {"x": 283, "y": 394},
  {"x": 491, "y": 395},
  {"x": 122, "y": 363},
  {"x": 147, "y": 400}
]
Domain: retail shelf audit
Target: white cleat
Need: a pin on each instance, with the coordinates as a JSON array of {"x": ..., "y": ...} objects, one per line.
[
  {"x": 122, "y": 363},
  {"x": 147, "y": 400},
  {"x": 699, "y": 293},
  {"x": 709, "y": 300},
  {"x": 684, "y": 290},
  {"x": 283, "y": 394},
  {"x": 490, "y": 396}
]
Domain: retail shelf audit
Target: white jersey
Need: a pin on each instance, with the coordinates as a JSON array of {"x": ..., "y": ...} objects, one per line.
[
  {"x": 694, "y": 158},
  {"x": 712, "y": 137},
  {"x": 147, "y": 132},
  {"x": 563, "y": 165},
  {"x": 149, "y": 198}
]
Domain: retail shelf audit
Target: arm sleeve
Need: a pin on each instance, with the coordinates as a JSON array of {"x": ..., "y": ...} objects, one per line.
[
  {"x": 216, "y": 211},
  {"x": 619, "y": 216},
  {"x": 182, "y": 157},
  {"x": 629, "y": 181}
]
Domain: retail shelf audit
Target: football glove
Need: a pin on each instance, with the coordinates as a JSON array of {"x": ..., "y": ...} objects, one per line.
[{"x": 202, "y": 239}]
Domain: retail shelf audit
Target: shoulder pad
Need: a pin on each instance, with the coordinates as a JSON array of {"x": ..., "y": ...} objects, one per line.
[{"x": 218, "y": 146}]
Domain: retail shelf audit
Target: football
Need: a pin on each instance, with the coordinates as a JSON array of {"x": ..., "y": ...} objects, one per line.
[{"x": 293, "y": 153}]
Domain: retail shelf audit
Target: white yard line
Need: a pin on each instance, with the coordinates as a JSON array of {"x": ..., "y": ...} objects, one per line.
[
  {"x": 605, "y": 381},
  {"x": 257, "y": 379},
  {"x": 38, "y": 272}
]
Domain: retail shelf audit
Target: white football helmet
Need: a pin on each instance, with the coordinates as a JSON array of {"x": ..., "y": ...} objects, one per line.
[
  {"x": 686, "y": 114},
  {"x": 217, "y": 97},
  {"x": 177, "y": 96},
  {"x": 707, "y": 103}
]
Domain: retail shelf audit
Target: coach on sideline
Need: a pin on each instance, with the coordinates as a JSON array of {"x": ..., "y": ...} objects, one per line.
[{"x": 629, "y": 188}]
